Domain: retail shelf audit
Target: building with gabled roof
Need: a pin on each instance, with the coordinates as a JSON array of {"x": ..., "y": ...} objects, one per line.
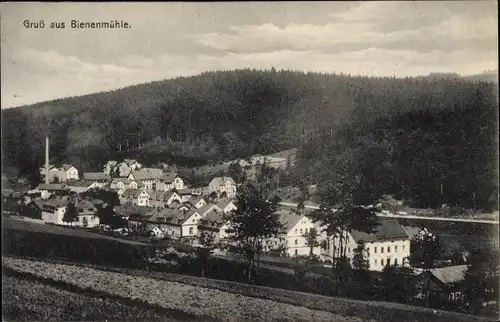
[
  {"x": 293, "y": 240},
  {"x": 206, "y": 209},
  {"x": 443, "y": 284},
  {"x": 216, "y": 224},
  {"x": 162, "y": 199},
  {"x": 47, "y": 190},
  {"x": 109, "y": 167},
  {"x": 99, "y": 177},
  {"x": 227, "y": 206},
  {"x": 64, "y": 173},
  {"x": 223, "y": 185},
  {"x": 82, "y": 186},
  {"x": 388, "y": 244},
  {"x": 138, "y": 197},
  {"x": 171, "y": 221},
  {"x": 197, "y": 202}
]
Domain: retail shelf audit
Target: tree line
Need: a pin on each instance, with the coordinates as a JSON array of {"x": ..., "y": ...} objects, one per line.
[{"x": 427, "y": 131}]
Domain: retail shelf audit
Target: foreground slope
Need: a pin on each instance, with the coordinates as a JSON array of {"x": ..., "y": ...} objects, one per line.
[{"x": 222, "y": 305}]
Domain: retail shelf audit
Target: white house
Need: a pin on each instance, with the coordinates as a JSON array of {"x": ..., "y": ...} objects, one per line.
[
  {"x": 199, "y": 191},
  {"x": 124, "y": 168},
  {"x": 208, "y": 208},
  {"x": 53, "y": 210},
  {"x": 222, "y": 185},
  {"x": 190, "y": 223},
  {"x": 138, "y": 197},
  {"x": 162, "y": 199},
  {"x": 387, "y": 245},
  {"x": 173, "y": 222},
  {"x": 215, "y": 224},
  {"x": 197, "y": 202},
  {"x": 170, "y": 180},
  {"x": 66, "y": 172},
  {"x": 121, "y": 184},
  {"x": 87, "y": 214},
  {"x": 293, "y": 239},
  {"x": 227, "y": 206},
  {"x": 101, "y": 179},
  {"x": 148, "y": 178}
]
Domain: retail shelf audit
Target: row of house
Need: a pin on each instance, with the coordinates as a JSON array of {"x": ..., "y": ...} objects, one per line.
[
  {"x": 185, "y": 220},
  {"x": 53, "y": 210}
]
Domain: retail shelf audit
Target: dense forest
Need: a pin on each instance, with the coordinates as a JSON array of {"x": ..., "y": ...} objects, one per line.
[{"x": 429, "y": 139}]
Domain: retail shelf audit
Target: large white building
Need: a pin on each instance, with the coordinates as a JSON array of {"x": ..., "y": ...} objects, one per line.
[
  {"x": 293, "y": 240},
  {"x": 387, "y": 245}
]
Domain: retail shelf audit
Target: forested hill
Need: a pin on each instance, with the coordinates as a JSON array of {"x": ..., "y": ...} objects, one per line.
[{"x": 230, "y": 114}]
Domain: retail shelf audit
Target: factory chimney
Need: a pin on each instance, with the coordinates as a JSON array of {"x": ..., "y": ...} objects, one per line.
[{"x": 46, "y": 159}]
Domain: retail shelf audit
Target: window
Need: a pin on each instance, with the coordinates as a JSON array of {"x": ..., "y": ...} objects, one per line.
[
  {"x": 301, "y": 230},
  {"x": 396, "y": 248},
  {"x": 395, "y": 261},
  {"x": 306, "y": 230},
  {"x": 382, "y": 262},
  {"x": 375, "y": 249},
  {"x": 375, "y": 262},
  {"x": 190, "y": 230},
  {"x": 388, "y": 249},
  {"x": 368, "y": 250},
  {"x": 296, "y": 230},
  {"x": 296, "y": 252},
  {"x": 403, "y": 247},
  {"x": 296, "y": 241},
  {"x": 382, "y": 250},
  {"x": 389, "y": 261}
]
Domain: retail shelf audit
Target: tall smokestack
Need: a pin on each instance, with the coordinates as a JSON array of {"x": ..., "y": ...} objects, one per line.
[{"x": 46, "y": 159}]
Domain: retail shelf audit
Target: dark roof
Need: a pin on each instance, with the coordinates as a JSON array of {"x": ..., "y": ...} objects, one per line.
[
  {"x": 208, "y": 207},
  {"x": 194, "y": 201},
  {"x": 132, "y": 210},
  {"x": 411, "y": 231},
  {"x": 96, "y": 176},
  {"x": 168, "y": 177},
  {"x": 289, "y": 219},
  {"x": 388, "y": 229},
  {"x": 215, "y": 219},
  {"x": 67, "y": 166},
  {"x": 222, "y": 180},
  {"x": 223, "y": 204},
  {"x": 184, "y": 192},
  {"x": 80, "y": 183},
  {"x": 52, "y": 186},
  {"x": 450, "y": 274}
]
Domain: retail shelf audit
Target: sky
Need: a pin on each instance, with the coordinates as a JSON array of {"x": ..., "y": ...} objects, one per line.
[{"x": 168, "y": 40}]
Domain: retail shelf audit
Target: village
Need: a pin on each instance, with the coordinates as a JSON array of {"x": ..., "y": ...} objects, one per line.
[{"x": 129, "y": 200}]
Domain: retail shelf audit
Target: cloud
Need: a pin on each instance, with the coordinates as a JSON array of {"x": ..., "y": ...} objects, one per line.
[{"x": 368, "y": 38}]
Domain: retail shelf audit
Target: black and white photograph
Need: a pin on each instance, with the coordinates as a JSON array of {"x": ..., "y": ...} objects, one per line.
[{"x": 250, "y": 161}]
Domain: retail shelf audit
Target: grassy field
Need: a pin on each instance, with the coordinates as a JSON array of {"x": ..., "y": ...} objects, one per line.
[
  {"x": 18, "y": 224},
  {"x": 28, "y": 300},
  {"x": 192, "y": 300},
  {"x": 224, "y": 300}
]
